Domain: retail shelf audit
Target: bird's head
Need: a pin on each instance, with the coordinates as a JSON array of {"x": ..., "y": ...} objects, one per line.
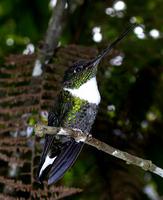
[
  {"x": 83, "y": 71},
  {"x": 80, "y": 73}
]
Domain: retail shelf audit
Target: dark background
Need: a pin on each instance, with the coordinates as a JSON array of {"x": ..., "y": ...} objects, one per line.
[{"x": 130, "y": 83}]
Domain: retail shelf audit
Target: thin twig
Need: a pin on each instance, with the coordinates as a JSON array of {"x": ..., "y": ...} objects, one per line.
[{"x": 79, "y": 136}]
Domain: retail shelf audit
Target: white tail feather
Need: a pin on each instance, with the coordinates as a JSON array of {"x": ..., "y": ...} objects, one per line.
[{"x": 48, "y": 161}]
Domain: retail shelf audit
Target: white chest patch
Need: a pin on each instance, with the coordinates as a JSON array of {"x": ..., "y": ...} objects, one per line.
[{"x": 88, "y": 91}]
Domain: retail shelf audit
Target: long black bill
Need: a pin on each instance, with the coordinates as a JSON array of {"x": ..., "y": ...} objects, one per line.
[{"x": 114, "y": 43}]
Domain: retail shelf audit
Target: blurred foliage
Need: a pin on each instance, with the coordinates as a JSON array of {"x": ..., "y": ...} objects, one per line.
[
  {"x": 22, "y": 21},
  {"x": 133, "y": 88}
]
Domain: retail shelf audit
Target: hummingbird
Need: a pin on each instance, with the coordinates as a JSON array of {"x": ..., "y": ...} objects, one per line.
[{"x": 76, "y": 107}]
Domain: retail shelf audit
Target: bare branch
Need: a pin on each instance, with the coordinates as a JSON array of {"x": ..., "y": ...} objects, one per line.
[
  {"x": 54, "y": 29},
  {"x": 51, "y": 39},
  {"x": 79, "y": 136}
]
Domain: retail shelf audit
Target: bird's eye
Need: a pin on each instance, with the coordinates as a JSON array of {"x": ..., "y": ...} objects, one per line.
[{"x": 79, "y": 68}]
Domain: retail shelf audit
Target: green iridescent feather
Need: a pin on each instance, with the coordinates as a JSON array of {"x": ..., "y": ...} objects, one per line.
[{"x": 74, "y": 106}]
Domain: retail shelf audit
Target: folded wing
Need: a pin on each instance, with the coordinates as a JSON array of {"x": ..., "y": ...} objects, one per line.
[{"x": 58, "y": 155}]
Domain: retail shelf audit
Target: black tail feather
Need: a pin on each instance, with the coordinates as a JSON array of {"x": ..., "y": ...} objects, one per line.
[{"x": 64, "y": 161}]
